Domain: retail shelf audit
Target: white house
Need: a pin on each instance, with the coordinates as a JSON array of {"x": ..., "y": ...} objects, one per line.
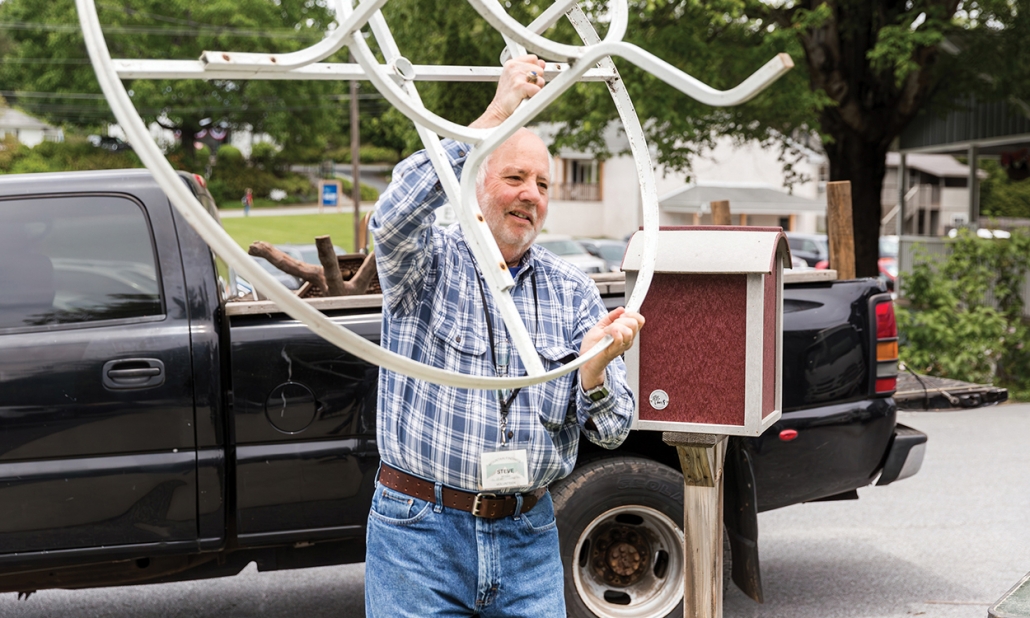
[
  {"x": 937, "y": 196},
  {"x": 28, "y": 130}
]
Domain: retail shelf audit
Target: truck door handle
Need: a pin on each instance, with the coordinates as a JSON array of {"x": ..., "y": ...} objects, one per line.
[{"x": 128, "y": 373}]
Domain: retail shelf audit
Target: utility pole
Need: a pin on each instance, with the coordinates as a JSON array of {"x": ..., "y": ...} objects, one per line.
[{"x": 355, "y": 157}]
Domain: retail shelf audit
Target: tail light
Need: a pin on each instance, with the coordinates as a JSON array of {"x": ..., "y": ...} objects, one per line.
[{"x": 886, "y": 346}]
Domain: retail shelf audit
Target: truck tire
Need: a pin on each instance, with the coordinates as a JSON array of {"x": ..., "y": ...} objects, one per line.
[{"x": 621, "y": 538}]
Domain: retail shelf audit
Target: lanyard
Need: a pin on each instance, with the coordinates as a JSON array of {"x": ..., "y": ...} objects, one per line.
[{"x": 504, "y": 397}]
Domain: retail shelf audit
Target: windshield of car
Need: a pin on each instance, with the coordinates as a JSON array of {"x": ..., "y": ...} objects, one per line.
[
  {"x": 611, "y": 252},
  {"x": 562, "y": 247},
  {"x": 817, "y": 245}
]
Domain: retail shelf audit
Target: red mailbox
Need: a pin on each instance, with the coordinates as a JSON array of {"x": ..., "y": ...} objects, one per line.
[{"x": 708, "y": 360}]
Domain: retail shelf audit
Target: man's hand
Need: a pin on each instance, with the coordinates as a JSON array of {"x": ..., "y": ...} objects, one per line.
[
  {"x": 623, "y": 326},
  {"x": 521, "y": 78}
]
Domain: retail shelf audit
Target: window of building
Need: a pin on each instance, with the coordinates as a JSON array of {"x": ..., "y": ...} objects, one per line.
[
  {"x": 580, "y": 180},
  {"x": 76, "y": 260}
]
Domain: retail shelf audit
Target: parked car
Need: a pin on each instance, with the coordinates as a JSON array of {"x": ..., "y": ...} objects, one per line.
[
  {"x": 887, "y": 263},
  {"x": 983, "y": 232},
  {"x": 571, "y": 251},
  {"x": 812, "y": 248},
  {"x": 114, "y": 144},
  {"x": 611, "y": 251}
]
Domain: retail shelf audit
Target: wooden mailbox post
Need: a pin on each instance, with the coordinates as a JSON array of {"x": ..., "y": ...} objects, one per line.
[{"x": 708, "y": 366}]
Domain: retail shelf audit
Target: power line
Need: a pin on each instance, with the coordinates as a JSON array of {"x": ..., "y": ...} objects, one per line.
[
  {"x": 99, "y": 97},
  {"x": 43, "y": 95},
  {"x": 211, "y": 109},
  {"x": 75, "y": 61},
  {"x": 162, "y": 31}
]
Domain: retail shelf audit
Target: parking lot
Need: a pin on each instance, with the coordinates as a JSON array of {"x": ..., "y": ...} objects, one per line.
[{"x": 945, "y": 543}]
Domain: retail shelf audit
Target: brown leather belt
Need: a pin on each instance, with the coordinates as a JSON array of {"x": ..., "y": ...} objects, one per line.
[{"x": 485, "y": 505}]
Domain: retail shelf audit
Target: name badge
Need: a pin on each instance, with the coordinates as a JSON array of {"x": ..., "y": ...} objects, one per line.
[{"x": 504, "y": 469}]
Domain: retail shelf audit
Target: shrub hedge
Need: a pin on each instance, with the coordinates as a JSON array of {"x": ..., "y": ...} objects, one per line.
[{"x": 952, "y": 328}]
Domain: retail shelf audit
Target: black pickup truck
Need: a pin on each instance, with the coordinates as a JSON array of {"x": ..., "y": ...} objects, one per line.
[{"x": 155, "y": 428}]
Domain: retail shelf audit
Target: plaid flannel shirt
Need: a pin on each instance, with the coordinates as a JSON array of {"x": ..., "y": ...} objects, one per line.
[{"x": 433, "y": 313}]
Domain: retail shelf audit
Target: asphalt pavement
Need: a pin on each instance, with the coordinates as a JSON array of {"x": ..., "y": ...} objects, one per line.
[{"x": 945, "y": 543}]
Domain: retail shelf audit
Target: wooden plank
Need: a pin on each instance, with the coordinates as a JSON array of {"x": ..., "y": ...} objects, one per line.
[
  {"x": 840, "y": 230},
  {"x": 721, "y": 213},
  {"x": 702, "y": 536},
  {"x": 808, "y": 276},
  {"x": 268, "y": 307}
]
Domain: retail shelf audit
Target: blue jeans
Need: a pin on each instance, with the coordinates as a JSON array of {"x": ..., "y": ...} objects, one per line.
[{"x": 425, "y": 560}]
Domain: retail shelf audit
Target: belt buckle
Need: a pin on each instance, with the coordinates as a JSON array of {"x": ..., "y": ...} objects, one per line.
[{"x": 478, "y": 503}]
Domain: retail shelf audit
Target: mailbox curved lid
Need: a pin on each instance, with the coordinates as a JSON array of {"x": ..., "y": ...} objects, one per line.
[{"x": 712, "y": 249}]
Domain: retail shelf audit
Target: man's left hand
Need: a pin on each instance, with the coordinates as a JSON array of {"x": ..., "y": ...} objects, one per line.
[{"x": 623, "y": 326}]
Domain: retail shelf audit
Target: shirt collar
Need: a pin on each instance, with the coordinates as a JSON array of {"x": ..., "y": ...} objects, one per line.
[{"x": 526, "y": 263}]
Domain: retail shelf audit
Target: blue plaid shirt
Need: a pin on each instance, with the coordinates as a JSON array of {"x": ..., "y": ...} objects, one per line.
[{"x": 433, "y": 313}]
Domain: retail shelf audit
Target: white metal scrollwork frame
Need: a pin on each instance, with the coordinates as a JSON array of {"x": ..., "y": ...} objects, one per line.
[{"x": 394, "y": 79}]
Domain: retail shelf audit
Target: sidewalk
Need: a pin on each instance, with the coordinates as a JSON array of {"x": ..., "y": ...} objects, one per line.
[{"x": 299, "y": 209}]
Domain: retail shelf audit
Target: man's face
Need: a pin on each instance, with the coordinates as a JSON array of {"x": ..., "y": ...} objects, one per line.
[{"x": 513, "y": 196}]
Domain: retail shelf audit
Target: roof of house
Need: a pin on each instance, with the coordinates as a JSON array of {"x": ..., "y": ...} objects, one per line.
[
  {"x": 940, "y": 165},
  {"x": 744, "y": 198},
  {"x": 13, "y": 119},
  {"x": 993, "y": 126}
]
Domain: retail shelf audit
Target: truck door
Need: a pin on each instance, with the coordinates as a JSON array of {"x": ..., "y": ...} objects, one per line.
[{"x": 97, "y": 448}]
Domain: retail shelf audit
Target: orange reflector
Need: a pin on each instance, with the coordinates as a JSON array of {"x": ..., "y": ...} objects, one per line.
[{"x": 886, "y": 350}]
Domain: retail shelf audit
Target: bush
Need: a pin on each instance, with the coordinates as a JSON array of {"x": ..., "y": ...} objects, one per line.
[
  {"x": 950, "y": 328},
  {"x": 10, "y": 151},
  {"x": 368, "y": 154},
  {"x": 75, "y": 153},
  {"x": 264, "y": 156},
  {"x": 228, "y": 183},
  {"x": 229, "y": 156},
  {"x": 368, "y": 194}
]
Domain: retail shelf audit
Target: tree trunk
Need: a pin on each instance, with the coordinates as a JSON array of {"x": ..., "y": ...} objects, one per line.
[{"x": 864, "y": 164}]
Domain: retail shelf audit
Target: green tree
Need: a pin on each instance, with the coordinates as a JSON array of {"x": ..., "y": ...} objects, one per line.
[
  {"x": 46, "y": 64},
  {"x": 1001, "y": 196}
]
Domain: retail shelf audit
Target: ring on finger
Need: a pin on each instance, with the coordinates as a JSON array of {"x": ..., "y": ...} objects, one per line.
[{"x": 531, "y": 77}]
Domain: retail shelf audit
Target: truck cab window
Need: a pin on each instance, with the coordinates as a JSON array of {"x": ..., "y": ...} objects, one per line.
[{"x": 75, "y": 259}]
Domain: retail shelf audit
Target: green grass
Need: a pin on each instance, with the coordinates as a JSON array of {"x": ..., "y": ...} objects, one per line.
[{"x": 292, "y": 229}]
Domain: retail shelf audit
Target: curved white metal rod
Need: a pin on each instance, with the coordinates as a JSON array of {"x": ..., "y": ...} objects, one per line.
[
  {"x": 220, "y": 242},
  {"x": 337, "y": 39},
  {"x": 496, "y": 16},
  {"x": 641, "y": 158},
  {"x": 477, "y": 233}
]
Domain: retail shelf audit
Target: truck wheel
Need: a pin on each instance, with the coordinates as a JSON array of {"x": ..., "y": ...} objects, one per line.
[{"x": 621, "y": 538}]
